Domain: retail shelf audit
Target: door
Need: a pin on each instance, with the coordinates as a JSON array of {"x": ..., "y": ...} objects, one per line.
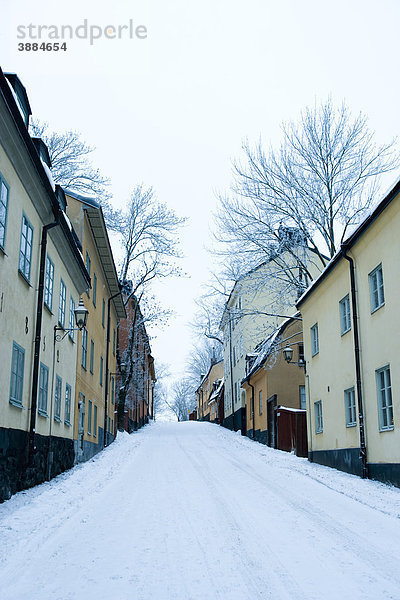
[
  {"x": 81, "y": 425},
  {"x": 271, "y": 420}
]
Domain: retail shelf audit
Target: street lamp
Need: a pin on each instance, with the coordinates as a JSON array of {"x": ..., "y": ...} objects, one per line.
[
  {"x": 288, "y": 355},
  {"x": 81, "y": 315}
]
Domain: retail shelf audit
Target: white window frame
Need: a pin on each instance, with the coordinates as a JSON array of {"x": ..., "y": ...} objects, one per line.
[
  {"x": 350, "y": 407},
  {"x": 94, "y": 295},
  {"x": 43, "y": 390},
  {"x": 17, "y": 375},
  {"x": 345, "y": 314},
  {"x": 91, "y": 358},
  {"x": 384, "y": 396},
  {"x": 319, "y": 425},
  {"x": 49, "y": 283},
  {"x": 302, "y": 397},
  {"x": 260, "y": 404},
  {"x": 84, "y": 348},
  {"x": 25, "y": 248},
  {"x": 57, "y": 398},
  {"x": 4, "y": 196},
  {"x": 71, "y": 332},
  {"x": 94, "y": 420},
  {"x": 314, "y": 339},
  {"x": 67, "y": 406},
  {"x": 376, "y": 288},
  {"x": 62, "y": 304}
]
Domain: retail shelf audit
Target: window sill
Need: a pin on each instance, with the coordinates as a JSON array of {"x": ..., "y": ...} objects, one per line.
[
  {"x": 384, "y": 429},
  {"x": 351, "y": 425},
  {"x": 57, "y": 419},
  {"x": 67, "y": 423},
  {"x": 15, "y": 403},
  {"x": 71, "y": 339},
  {"x": 43, "y": 413},
  {"x": 377, "y": 308},
  {"x": 344, "y": 332},
  {"x": 2, "y": 251},
  {"x": 24, "y": 278},
  {"x": 84, "y": 368},
  {"x": 318, "y": 432},
  {"x": 48, "y": 308}
]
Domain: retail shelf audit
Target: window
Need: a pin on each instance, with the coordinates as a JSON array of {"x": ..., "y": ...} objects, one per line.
[
  {"x": 3, "y": 210},
  {"x": 48, "y": 283},
  {"x": 25, "y": 252},
  {"x": 241, "y": 345},
  {"x": 67, "y": 412},
  {"x": 114, "y": 342},
  {"x": 61, "y": 305},
  {"x": 43, "y": 389},
  {"x": 376, "y": 288},
  {"x": 17, "y": 374},
  {"x": 344, "y": 310},
  {"x": 101, "y": 370},
  {"x": 301, "y": 353},
  {"x": 103, "y": 312},
  {"x": 57, "y": 399},
  {"x": 384, "y": 391},
  {"x": 71, "y": 325},
  {"x": 302, "y": 394},
  {"x": 89, "y": 418},
  {"x": 95, "y": 421},
  {"x": 318, "y": 416},
  {"x": 94, "y": 288},
  {"x": 91, "y": 355},
  {"x": 112, "y": 390},
  {"x": 314, "y": 340},
  {"x": 260, "y": 401},
  {"x": 88, "y": 266},
  {"x": 350, "y": 407},
  {"x": 84, "y": 348}
]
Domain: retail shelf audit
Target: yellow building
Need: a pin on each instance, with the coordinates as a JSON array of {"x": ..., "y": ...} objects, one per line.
[
  {"x": 96, "y": 358},
  {"x": 205, "y": 389},
  {"x": 42, "y": 275},
  {"x": 351, "y": 329},
  {"x": 271, "y": 382}
]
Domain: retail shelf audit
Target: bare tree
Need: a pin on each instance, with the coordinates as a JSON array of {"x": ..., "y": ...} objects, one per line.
[
  {"x": 182, "y": 400},
  {"x": 160, "y": 389},
  {"x": 70, "y": 164},
  {"x": 203, "y": 354},
  {"x": 147, "y": 231},
  {"x": 309, "y": 193}
]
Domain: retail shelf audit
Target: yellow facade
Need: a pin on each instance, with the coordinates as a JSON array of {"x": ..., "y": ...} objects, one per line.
[
  {"x": 332, "y": 370},
  {"x": 89, "y": 423},
  {"x": 204, "y": 391},
  {"x": 274, "y": 381}
]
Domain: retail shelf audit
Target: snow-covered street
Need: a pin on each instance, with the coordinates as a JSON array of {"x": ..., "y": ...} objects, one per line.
[{"x": 192, "y": 511}]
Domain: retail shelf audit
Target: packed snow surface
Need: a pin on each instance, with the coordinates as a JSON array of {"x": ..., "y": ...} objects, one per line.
[{"x": 190, "y": 511}]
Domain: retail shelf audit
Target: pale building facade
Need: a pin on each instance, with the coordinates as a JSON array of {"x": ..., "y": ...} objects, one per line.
[
  {"x": 351, "y": 338},
  {"x": 253, "y": 311},
  {"x": 42, "y": 276},
  {"x": 205, "y": 390}
]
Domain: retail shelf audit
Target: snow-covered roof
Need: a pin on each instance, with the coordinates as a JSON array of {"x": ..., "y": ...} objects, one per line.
[
  {"x": 217, "y": 390},
  {"x": 264, "y": 349}
]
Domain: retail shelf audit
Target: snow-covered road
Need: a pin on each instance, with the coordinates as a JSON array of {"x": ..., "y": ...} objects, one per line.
[{"x": 192, "y": 511}]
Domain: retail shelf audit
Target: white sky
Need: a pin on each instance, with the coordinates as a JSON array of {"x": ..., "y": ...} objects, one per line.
[{"x": 171, "y": 110}]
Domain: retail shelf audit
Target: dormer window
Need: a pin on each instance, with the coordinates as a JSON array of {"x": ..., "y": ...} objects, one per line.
[
  {"x": 20, "y": 96},
  {"x": 41, "y": 149}
]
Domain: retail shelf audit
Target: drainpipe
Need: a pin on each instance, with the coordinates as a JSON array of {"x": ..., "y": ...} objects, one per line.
[
  {"x": 252, "y": 406},
  {"x": 363, "y": 447},
  {"x": 38, "y": 334},
  {"x": 107, "y": 361}
]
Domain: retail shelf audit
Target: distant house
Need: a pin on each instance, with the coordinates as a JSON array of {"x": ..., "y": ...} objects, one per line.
[
  {"x": 351, "y": 326},
  {"x": 216, "y": 402},
  {"x": 254, "y": 309},
  {"x": 275, "y": 390},
  {"x": 42, "y": 276},
  {"x": 206, "y": 389},
  {"x": 133, "y": 336}
]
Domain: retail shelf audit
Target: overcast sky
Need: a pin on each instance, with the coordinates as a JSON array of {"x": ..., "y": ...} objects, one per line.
[{"x": 171, "y": 110}]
